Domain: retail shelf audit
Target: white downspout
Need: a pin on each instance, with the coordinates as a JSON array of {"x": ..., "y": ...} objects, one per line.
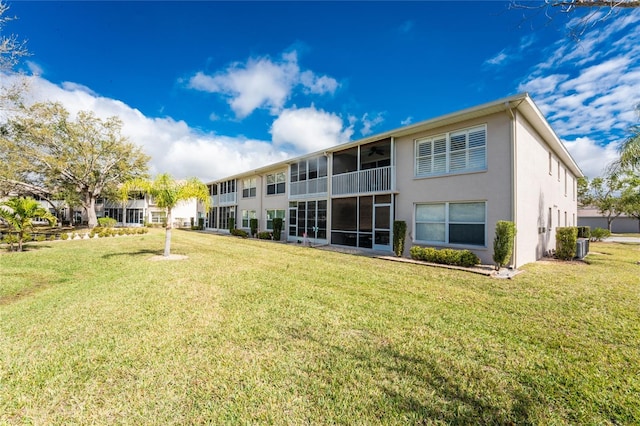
[{"x": 514, "y": 179}]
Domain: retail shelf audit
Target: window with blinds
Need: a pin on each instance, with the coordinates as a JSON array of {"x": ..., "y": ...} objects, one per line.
[{"x": 453, "y": 152}]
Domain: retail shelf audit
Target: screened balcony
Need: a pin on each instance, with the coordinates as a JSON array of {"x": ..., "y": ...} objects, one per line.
[{"x": 364, "y": 169}]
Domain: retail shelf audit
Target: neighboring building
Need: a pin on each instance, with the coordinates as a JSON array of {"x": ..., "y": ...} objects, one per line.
[
  {"x": 141, "y": 209},
  {"x": 450, "y": 179},
  {"x": 590, "y": 216}
]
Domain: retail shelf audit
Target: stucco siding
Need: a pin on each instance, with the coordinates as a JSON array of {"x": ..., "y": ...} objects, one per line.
[
  {"x": 491, "y": 186},
  {"x": 542, "y": 203}
]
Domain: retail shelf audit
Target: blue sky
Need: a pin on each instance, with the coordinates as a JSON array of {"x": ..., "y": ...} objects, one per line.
[{"x": 211, "y": 89}]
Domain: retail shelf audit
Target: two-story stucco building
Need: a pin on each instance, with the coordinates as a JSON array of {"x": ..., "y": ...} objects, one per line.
[{"x": 450, "y": 178}]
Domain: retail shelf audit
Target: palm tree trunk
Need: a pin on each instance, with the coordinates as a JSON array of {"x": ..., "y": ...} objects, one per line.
[
  {"x": 167, "y": 235},
  {"x": 20, "y": 237}
]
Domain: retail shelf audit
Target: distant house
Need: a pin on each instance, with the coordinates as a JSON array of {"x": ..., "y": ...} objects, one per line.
[
  {"x": 450, "y": 178},
  {"x": 141, "y": 209},
  {"x": 590, "y": 216}
]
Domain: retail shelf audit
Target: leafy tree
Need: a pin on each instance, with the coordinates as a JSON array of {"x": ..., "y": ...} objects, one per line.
[
  {"x": 167, "y": 192},
  {"x": 594, "y": 11},
  {"x": 19, "y": 213},
  {"x": 42, "y": 147},
  {"x": 604, "y": 194},
  {"x": 11, "y": 48},
  {"x": 630, "y": 151},
  {"x": 631, "y": 198}
]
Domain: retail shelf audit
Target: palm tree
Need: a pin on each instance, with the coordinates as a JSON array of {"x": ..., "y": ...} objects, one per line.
[
  {"x": 167, "y": 192},
  {"x": 19, "y": 213},
  {"x": 630, "y": 151}
]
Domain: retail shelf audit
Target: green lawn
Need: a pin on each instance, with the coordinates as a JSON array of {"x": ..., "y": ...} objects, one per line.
[{"x": 247, "y": 331}]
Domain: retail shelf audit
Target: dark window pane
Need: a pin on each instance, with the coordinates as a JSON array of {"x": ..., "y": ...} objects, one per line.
[
  {"x": 345, "y": 161},
  {"x": 364, "y": 240},
  {"x": 383, "y": 217},
  {"x": 322, "y": 166},
  {"x": 366, "y": 213},
  {"x": 280, "y": 188},
  {"x": 344, "y": 214},
  {"x": 466, "y": 234},
  {"x": 383, "y": 199},
  {"x": 294, "y": 172},
  {"x": 271, "y": 189},
  {"x": 382, "y": 238},
  {"x": 344, "y": 238}
]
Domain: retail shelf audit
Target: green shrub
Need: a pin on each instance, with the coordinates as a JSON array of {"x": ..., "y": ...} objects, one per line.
[
  {"x": 52, "y": 237},
  {"x": 253, "y": 225},
  {"x": 584, "y": 232},
  {"x": 232, "y": 223},
  {"x": 64, "y": 236},
  {"x": 201, "y": 223},
  {"x": 445, "y": 256},
  {"x": 10, "y": 239},
  {"x": 566, "y": 239},
  {"x": 239, "y": 233},
  {"x": 277, "y": 228},
  {"x": 399, "y": 235},
  {"x": 264, "y": 235},
  {"x": 599, "y": 234},
  {"x": 107, "y": 222},
  {"x": 503, "y": 242},
  {"x": 40, "y": 237}
]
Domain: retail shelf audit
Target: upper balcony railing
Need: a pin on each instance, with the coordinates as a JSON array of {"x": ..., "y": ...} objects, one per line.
[
  {"x": 227, "y": 199},
  {"x": 130, "y": 204},
  {"x": 364, "y": 181},
  {"x": 307, "y": 188}
]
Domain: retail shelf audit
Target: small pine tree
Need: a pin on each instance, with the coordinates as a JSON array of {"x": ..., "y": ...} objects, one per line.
[
  {"x": 503, "y": 243},
  {"x": 277, "y": 228},
  {"x": 399, "y": 235}
]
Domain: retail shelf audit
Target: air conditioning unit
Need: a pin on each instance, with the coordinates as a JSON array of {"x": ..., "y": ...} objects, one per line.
[{"x": 582, "y": 248}]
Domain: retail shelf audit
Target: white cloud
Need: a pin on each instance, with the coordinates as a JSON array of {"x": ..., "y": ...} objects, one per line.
[
  {"x": 309, "y": 129},
  {"x": 369, "y": 123},
  {"x": 497, "y": 59},
  {"x": 407, "y": 121},
  {"x": 174, "y": 147},
  {"x": 592, "y": 158},
  {"x": 262, "y": 83},
  {"x": 34, "y": 68},
  {"x": 588, "y": 89}
]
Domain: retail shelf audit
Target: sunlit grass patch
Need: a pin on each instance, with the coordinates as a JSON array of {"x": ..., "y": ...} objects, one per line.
[{"x": 247, "y": 331}]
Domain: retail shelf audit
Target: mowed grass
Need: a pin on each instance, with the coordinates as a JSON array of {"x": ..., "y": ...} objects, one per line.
[{"x": 253, "y": 332}]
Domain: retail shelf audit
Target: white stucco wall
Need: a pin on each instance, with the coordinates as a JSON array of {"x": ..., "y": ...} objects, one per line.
[{"x": 539, "y": 190}]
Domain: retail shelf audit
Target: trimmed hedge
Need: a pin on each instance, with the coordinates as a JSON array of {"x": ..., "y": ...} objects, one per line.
[
  {"x": 107, "y": 222},
  {"x": 277, "y": 228},
  {"x": 253, "y": 225},
  {"x": 584, "y": 232},
  {"x": 239, "y": 233},
  {"x": 503, "y": 243},
  {"x": 264, "y": 235},
  {"x": 463, "y": 258},
  {"x": 599, "y": 233},
  {"x": 566, "y": 240},
  {"x": 399, "y": 235}
]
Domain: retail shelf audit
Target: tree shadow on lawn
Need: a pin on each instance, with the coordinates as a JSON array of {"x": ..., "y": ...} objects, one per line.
[
  {"x": 456, "y": 397},
  {"x": 142, "y": 252}
]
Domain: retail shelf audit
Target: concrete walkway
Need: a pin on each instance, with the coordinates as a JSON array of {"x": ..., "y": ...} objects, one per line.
[{"x": 622, "y": 240}]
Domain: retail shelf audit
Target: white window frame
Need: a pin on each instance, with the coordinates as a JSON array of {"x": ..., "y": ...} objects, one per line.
[
  {"x": 274, "y": 212},
  {"x": 440, "y": 152},
  {"x": 447, "y": 222},
  {"x": 249, "y": 186},
  {"x": 247, "y": 215},
  {"x": 277, "y": 181}
]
